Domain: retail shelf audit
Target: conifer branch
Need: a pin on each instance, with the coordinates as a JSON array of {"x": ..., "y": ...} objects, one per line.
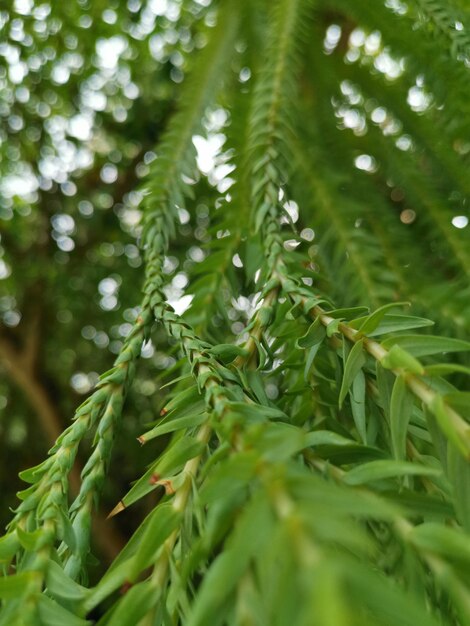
[{"x": 454, "y": 427}]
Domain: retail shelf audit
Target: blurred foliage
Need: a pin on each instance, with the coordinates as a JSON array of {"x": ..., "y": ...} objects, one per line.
[
  {"x": 86, "y": 89},
  {"x": 243, "y": 194}
]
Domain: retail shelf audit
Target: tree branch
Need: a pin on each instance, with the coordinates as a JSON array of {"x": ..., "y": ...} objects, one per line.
[{"x": 19, "y": 365}]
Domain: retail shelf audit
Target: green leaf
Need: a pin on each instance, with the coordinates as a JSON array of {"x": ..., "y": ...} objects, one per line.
[
  {"x": 232, "y": 474},
  {"x": 32, "y": 474},
  {"x": 177, "y": 454},
  {"x": 218, "y": 584},
  {"x": 61, "y": 587},
  {"x": 347, "y": 314},
  {"x": 251, "y": 534},
  {"x": 53, "y": 614},
  {"x": 455, "y": 429},
  {"x": 253, "y": 256},
  {"x": 14, "y": 586},
  {"x": 422, "y": 504},
  {"x": 399, "y": 323},
  {"x": 350, "y": 454},
  {"x": 441, "y": 369},
  {"x": 255, "y": 384},
  {"x": 386, "y": 600},
  {"x": 261, "y": 354},
  {"x": 354, "y": 364},
  {"x": 398, "y": 359},
  {"x": 380, "y": 470},
  {"x": 114, "y": 578},
  {"x": 172, "y": 425},
  {"x": 314, "y": 335},
  {"x": 9, "y": 544},
  {"x": 173, "y": 458},
  {"x": 372, "y": 321},
  {"x": 261, "y": 215},
  {"x": 183, "y": 399},
  {"x": 437, "y": 436},
  {"x": 65, "y": 530},
  {"x": 328, "y": 602},
  {"x": 176, "y": 380},
  {"x": 338, "y": 500},
  {"x": 458, "y": 472},
  {"x": 439, "y": 539},
  {"x": 311, "y": 303},
  {"x": 385, "y": 381},
  {"x": 460, "y": 400},
  {"x": 132, "y": 544},
  {"x": 278, "y": 441},
  {"x": 135, "y": 605},
  {"x": 357, "y": 396},
  {"x": 326, "y": 438},
  {"x": 32, "y": 541},
  {"x": 311, "y": 354},
  {"x": 161, "y": 524},
  {"x": 401, "y": 405},
  {"x": 227, "y": 352},
  {"x": 424, "y": 345},
  {"x": 250, "y": 413}
]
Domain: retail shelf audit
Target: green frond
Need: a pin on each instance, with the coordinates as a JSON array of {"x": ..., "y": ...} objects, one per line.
[
  {"x": 298, "y": 440},
  {"x": 350, "y": 252},
  {"x": 176, "y": 153},
  {"x": 446, "y": 19},
  {"x": 271, "y": 124},
  {"x": 397, "y": 25}
]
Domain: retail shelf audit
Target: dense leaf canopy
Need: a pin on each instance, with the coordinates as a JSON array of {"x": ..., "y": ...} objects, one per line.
[{"x": 235, "y": 234}]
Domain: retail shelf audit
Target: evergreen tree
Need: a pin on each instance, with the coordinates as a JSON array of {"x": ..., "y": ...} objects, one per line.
[{"x": 300, "y": 171}]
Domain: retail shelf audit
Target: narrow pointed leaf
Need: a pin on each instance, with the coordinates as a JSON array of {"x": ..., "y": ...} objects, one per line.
[
  {"x": 355, "y": 361},
  {"x": 380, "y": 470},
  {"x": 401, "y": 405}
]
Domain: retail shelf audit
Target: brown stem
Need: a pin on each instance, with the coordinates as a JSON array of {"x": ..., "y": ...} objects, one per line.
[{"x": 17, "y": 366}]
